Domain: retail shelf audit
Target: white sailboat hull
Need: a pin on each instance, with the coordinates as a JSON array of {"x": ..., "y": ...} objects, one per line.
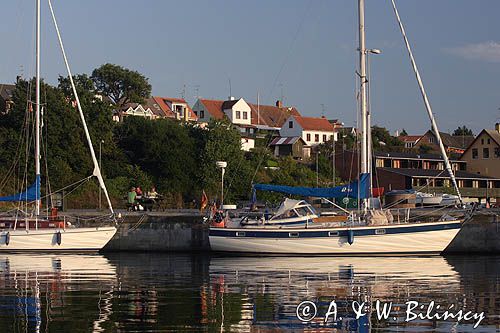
[
  {"x": 46, "y": 240},
  {"x": 400, "y": 239}
]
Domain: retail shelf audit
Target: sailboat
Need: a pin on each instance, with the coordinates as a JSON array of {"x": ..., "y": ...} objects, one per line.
[
  {"x": 368, "y": 231},
  {"x": 38, "y": 233}
]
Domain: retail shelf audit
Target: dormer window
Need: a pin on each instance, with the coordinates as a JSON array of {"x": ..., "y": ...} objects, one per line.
[{"x": 290, "y": 124}]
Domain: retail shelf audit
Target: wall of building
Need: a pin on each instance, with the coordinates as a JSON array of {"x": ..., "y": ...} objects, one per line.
[
  {"x": 242, "y": 107},
  {"x": 480, "y": 165},
  {"x": 197, "y": 107}
]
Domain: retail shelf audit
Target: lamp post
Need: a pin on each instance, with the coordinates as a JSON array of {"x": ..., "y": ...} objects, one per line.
[
  {"x": 369, "y": 116},
  {"x": 100, "y": 167},
  {"x": 222, "y": 165},
  {"x": 317, "y": 168}
]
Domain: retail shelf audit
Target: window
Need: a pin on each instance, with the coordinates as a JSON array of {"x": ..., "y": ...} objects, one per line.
[
  {"x": 238, "y": 115},
  {"x": 316, "y": 137},
  {"x": 290, "y": 124},
  {"x": 308, "y": 137},
  {"x": 245, "y": 115},
  {"x": 497, "y": 152},
  {"x": 195, "y": 113},
  {"x": 474, "y": 153},
  {"x": 486, "y": 152},
  {"x": 482, "y": 141},
  {"x": 431, "y": 139},
  {"x": 489, "y": 141},
  {"x": 202, "y": 114},
  {"x": 324, "y": 137}
]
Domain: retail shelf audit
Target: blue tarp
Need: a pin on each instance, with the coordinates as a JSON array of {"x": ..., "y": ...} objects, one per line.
[
  {"x": 32, "y": 193},
  {"x": 349, "y": 190}
]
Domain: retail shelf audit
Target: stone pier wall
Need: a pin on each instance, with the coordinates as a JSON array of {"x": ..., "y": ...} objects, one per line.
[{"x": 151, "y": 233}]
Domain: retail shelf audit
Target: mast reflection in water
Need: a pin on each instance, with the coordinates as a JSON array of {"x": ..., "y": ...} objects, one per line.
[{"x": 162, "y": 292}]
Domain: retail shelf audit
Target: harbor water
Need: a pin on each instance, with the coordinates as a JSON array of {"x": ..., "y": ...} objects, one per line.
[{"x": 131, "y": 292}]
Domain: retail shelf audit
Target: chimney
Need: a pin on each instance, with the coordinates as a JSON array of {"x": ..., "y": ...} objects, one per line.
[
  {"x": 279, "y": 103},
  {"x": 231, "y": 98},
  {"x": 186, "y": 114},
  {"x": 497, "y": 127}
]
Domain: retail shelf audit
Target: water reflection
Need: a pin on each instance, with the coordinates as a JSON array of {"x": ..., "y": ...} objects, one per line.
[{"x": 144, "y": 292}]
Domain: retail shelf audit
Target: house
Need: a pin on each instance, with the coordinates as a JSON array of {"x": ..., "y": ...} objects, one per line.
[
  {"x": 483, "y": 154},
  {"x": 401, "y": 170},
  {"x": 313, "y": 131},
  {"x": 156, "y": 108},
  {"x": 252, "y": 120},
  {"x": 409, "y": 141},
  {"x": 437, "y": 181},
  {"x": 6, "y": 94},
  {"x": 291, "y": 146},
  {"x": 176, "y": 108},
  {"x": 132, "y": 109},
  {"x": 453, "y": 144}
]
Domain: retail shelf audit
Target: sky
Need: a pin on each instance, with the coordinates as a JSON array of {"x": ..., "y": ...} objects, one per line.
[{"x": 302, "y": 50}]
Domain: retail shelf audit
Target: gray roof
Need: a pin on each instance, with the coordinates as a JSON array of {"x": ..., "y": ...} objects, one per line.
[
  {"x": 7, "y": 90},
  {"x": 406, "y": 155},
  {"x": 434, "y": 173},
  {"x": 459, "y": 141}
]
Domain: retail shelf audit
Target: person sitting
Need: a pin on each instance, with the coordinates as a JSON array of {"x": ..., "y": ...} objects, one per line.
[
  {"x": 152, "y": 194},
  {"x": 138, "y": 192},
  {"x": 131, "y": 197}
]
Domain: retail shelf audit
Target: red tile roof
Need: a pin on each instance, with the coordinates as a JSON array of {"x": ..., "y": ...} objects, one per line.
[
  {"x": 214, "y": 107},
  {"x": 163, "y": 103},
  {"x": 271, "y": 115},
  {"x": 314, "y": 124},
  {"x": 409, "y": 138}
]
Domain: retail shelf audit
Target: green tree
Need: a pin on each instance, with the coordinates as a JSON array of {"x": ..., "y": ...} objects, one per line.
[
  {"x": 403, "y": 132},
  {"x": 463, "y": 131},
  {"x": 120, "y": 84},
  {"x": 382, "y": 139}
]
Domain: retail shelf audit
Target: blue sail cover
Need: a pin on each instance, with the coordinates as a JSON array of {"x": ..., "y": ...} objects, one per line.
[
  {"x": 348, "y": 190},
  {"x": 32, "y": 193}
]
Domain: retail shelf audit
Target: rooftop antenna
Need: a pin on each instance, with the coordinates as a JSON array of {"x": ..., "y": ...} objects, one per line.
[
  {"x": 197, "y": 90},
  {"x": 282, "y": 98},
  {"x": 322, "y": 110},
  {"x": 230, "y": 89},
  {"x": 183, "y": 92}
]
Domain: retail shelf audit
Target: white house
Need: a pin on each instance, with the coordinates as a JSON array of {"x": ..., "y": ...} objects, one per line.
[
  {"x": 238, "y": 111},
  {"x": 313, "y": 131},
  {"x": 133, "y": 109}
]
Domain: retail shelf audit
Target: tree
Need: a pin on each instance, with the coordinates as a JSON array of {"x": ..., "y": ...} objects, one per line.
[
  {"x": 120, "y": 84},
  {"x": 463, "y": 131},
  {"x": 382, "y": 138},
  {"x": 403, "y": 132}
]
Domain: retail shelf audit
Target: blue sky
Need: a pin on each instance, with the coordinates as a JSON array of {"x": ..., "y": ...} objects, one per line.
[{"x": 303, "y": 49}]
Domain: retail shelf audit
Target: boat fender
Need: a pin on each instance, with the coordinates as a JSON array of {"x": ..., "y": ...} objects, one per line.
[
  {"x": 7, "y": 238},
  {"x": 58, "y": 238},
  {"x": 350, "y": 236}
]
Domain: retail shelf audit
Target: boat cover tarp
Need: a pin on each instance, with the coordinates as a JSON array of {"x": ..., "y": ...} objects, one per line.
[
  {"x": 351, "y": 190},
  {"x": 32, "y": 193},
  {"x": 288, "y": 204}
]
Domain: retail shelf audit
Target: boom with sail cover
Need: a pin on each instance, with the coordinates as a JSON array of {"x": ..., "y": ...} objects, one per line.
[{"x": 356, "y": 189}]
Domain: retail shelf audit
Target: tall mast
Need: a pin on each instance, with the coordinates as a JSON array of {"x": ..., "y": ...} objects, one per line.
[
  {"x": 362, "y": 92},
  {"x": 97, "y": 170},
  {"x": 427, "y": 104},
  {"x": 37, "y": 107}
]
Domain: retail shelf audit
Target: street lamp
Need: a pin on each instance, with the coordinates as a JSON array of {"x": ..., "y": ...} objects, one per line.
[
  {"x": 368, "y": 114},
  {"x": 222, "y": 165},
  {"x": 100, "y": 167},
  {"x": 317, "y": 168}
]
